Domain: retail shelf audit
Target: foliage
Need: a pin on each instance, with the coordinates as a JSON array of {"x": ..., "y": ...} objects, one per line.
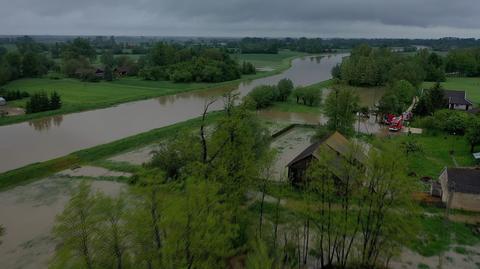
[
  {"x": 11, "y": 95},
  {"x": 179, "y": 64},
  {"x": 258, "y": 45},
  {"x": 431, "y": 100},
  {"x": 40, "y": 102},
  {"x": 464, "y": 61},
  {"x": 264, "y": 95},
  {"x": 309, "y": 96},
  {"x": 285, "y": 87},
  {"x": 473, "y": 133},
  {"x": 248, "y": 68},
  {"x": 340, "y": 108},
  {"x": 397, "y": 98}
]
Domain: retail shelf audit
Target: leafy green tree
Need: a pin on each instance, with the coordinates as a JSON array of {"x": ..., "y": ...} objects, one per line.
[
  {"x": 75, "y": 228},
  {"x": 340, "y": 108},
  {"x": 259, "y": 257},
  {"x": 285, "y": 87},
  {"x": 112, "y": 232},
  {"x": 264, "y": 95},
  {"x": 473, "y": 133},
  {"x": 55, "y": 101}
]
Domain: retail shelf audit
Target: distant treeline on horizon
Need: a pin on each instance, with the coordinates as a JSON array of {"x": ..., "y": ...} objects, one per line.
[{"x": 315, "y": 44}]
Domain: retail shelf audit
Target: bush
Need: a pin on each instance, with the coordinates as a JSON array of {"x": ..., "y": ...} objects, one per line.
[
  {"x": 264, "y": 95},
  {"x": 11, "y": 95},
  {"x": 40, "y": 102},
  {"x": 285, "y": 87},
  {"x": 309, "y": 96}
]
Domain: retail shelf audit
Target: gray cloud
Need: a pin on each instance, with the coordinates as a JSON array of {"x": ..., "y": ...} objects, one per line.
[{"x": 340, "y": 18}]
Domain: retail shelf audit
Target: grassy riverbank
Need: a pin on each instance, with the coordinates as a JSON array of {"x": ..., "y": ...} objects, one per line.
[
  {"x": 80, "y": 96},
  {"x": 37, "y": 171}
]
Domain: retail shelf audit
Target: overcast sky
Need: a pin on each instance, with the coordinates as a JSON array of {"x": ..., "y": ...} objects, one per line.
[{"x": 273, "y": 18}]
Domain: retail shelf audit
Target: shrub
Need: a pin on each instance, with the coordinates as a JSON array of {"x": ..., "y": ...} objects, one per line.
[
  {"x": 285, "y": 87},
  {"x": 264, "y": 95}
]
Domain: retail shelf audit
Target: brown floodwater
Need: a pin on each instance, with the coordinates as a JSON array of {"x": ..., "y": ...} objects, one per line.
[
  {"x": 25, "y": 143},
  {"x": 28, "y": 215}
]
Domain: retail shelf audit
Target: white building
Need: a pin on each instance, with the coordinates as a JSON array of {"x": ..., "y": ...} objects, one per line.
[{"x": 3, "y": 101}]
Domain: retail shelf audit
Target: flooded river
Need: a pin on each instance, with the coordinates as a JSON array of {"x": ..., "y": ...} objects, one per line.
[{"x": 53, "y": 137}]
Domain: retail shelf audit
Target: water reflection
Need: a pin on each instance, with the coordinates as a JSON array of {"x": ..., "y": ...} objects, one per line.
[{"x": 46, "y": 123}]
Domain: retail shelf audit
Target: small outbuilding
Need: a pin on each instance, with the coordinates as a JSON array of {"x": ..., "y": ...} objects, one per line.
[
  {"x": 458, "y": 100},
  {"x": 334, "y": 143},
  {"x": 122, "y": 71},
  {"x": 3, "y": 102},
  {"x": 460, "y": 188}
]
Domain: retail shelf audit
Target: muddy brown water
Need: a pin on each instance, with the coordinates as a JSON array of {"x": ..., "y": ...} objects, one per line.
[
  {"x": 28, "y": 215},
  {"x": 53, "y": 137}
]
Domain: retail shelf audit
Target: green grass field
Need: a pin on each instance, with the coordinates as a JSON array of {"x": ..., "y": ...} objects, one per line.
[
  {"x": 435, "y": 153},
  {"x": 470, "y": 85},
  {"x": 273, "y": 61},
  {"x": 80, "y": 96}
]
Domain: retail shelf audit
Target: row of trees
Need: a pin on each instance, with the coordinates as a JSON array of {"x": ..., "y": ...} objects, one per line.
[
  {"x": 182, "y": 64},
  {"x": 465, "y": 62},
  {"x": 367, "y": 66},
  {"x": 265, "y": 95},
  {"x": 189, "y": 208},
  {"x": 40, "y": 102},
  {"x": 11, "y": 95},
  {"x": 26, "y": 61}
]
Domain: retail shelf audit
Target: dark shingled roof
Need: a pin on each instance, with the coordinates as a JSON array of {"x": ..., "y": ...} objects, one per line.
[
  {"x": 457, "y": 98},
  {"x": 465, "y": 180},
  {"x": 308, "y": 151}
]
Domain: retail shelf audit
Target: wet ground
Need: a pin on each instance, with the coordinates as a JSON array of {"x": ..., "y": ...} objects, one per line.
[
  {"x": 288, "y": 146},
  {"x": 28, "y": 214},
  {"x": 460, "y": 257}
]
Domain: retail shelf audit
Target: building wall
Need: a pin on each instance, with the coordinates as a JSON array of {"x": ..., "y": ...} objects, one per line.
[
  {"x": 466, "y": 201},
  {"x": 443, "y": 182}
]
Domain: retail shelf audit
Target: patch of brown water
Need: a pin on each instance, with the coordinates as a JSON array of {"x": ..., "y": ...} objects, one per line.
[{"x": 28, "y": 215}]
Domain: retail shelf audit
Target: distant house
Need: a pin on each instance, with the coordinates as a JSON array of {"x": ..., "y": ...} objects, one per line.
[
  {"x": 334, "y": 143},
  {"x": 100, "y": 73},
  {"x": 122, "y": 71},
  {"x": 459, "y": 188},
  {"x": 457, "y": 100},
  {"x": 3, "y": 102}
]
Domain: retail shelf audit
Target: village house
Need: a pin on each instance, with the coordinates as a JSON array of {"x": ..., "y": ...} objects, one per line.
[
  {"x": 459, "y": 188},
  {"x": 334, "y": 143},
  {"x": 458, "y": 100},
  {"x": 122, "y": 71}
]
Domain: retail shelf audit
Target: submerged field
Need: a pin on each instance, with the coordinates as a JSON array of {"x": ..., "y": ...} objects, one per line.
[{"x": 79, "y": 96}]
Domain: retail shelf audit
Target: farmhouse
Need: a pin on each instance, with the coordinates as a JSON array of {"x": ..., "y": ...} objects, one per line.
[
  {"x": 122, "y": 71},
  {"x": 334, "y": 143},
  {"x": 3, "y": 101},
  {"x": 457, "y": 100},
  {"x": 460, "y": 188}
]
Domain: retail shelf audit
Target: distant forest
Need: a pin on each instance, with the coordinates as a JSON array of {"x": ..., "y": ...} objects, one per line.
[{"x": 197, "y": 59}]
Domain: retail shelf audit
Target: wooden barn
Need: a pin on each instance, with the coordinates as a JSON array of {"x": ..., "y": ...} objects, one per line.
[{"x": 334, "y": 143}]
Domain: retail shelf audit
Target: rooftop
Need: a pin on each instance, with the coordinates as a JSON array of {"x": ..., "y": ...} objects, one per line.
[
  {"x": 457, "y": 97},
  {"x": 464, "y": 180}
]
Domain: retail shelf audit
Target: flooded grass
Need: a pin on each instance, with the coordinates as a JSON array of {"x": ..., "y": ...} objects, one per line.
[
  {"x": 288, "y": 146},
  {"x": 28, "y": 214}
]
